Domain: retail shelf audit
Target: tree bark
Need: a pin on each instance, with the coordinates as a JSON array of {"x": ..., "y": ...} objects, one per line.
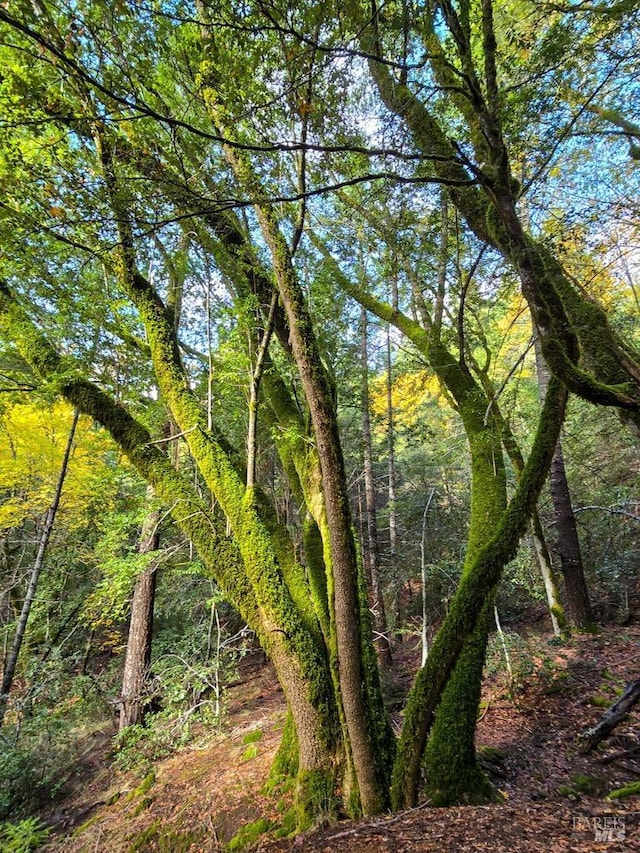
[
  {"x": 343, "y": 559},
  {"x": 260, "y": 586},
  {"x": 568, "y": 544},
  {"x": 14, "y": 651},
  {"x": 392, "y": 478},
  {"x": 556, "y": 611},
  {"x": 380, "y": 627},
  {"x": 613, "y": 716},
  {"x": 138, "y": 654},
  {"x": 453, "y": 775},
  {"x": 470, "y": 600},
  {"x": 369, "y": 735}
]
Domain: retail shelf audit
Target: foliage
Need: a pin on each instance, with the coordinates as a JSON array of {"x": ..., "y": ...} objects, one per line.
[
  {"x": 43, "y": 735},
  {"x": 22, "y": 837},
  {"x": 247, "y": 171}
]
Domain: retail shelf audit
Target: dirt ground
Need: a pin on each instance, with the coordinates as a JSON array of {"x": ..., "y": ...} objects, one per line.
[{"x": 553, "y": 795}]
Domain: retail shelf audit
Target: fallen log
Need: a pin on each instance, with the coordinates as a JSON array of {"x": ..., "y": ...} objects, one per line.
[{"x": 612, "y": 716}]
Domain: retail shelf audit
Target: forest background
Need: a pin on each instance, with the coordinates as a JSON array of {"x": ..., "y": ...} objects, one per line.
[{"x": 304, "y": 277}]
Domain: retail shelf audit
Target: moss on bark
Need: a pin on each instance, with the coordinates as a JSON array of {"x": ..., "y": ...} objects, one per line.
[
  {"x": 247, "y": 569},
  {"x": 452, "y": 773},
  {"x": 469, "y": 600}
]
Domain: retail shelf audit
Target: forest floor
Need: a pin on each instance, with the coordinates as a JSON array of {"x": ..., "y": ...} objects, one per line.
[{"x": 553, "y": 795}]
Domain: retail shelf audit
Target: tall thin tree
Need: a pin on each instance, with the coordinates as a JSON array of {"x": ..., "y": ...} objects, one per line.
[
  {"x": 567, "y": 543},
  {"x": 372, "y": 553},
  {"x": 12, "y": 657}
]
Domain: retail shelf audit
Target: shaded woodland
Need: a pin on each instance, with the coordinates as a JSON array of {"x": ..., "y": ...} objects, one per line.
[{"x": 319, "y": 346}]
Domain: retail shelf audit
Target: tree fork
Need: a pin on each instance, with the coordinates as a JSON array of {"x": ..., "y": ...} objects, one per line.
[
  {"x": 300, "y": 666},
  {"x": 14, "y": 651},
  {"x": 469, "y": 600}
]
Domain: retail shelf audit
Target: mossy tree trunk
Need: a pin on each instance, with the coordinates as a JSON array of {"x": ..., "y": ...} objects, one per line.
[
  {"x": 452, "y": 772},
  {"x": 494, "y": 536},
  {"x": 470, "y": 602},
  {"x": 453, "y": 775},
  {"x": 252, "y": 569},
  {"x": 512, "y": 449},
  {"x": 359, "y": 684},
  {"x": 357, "y": 697},
  {"x": 366, "y": 730}
]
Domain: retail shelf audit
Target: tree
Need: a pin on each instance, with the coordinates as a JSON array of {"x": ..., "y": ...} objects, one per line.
[
  {"x": 450, "y": 762},
  {"x": 11, "y": 660},
  {"x": 372, "y": 553},
  {"x": 138, "y": 654},
  {"x": 262, "y": 578},
  {"x": 568, "y": 544},
  {"x": 577, "y": 341},
  {"x": 165, "y": 126}
]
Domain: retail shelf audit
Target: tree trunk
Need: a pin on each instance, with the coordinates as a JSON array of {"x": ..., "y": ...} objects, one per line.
[
  {"x": 367, "y": 728},
  {"x": 271, "y": 594},
  {"x": 568, "y": 544},
  {"x": 453, "y": 775},
  {"x": 380, "y": 627},
  {"x": 556, "y": 611},
  {"x": 14, "y": 651},
  {"x": 470, "y": 601},
  {"x": 343, "y": 559},
  {"x": 613, "y": 716},
  {"x": 423, "y": 578},
  {"x": 391, "y": 453},
  {"x": 138, "y": 654}
]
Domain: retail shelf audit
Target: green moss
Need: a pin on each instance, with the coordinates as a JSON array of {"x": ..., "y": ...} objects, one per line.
[
  {"x": 453, "y": 775},
  {"x": 252, "y": 737},
  {"x": 86, "y": 825},
  {"x": 165, "y": 839},
  {"x": 630, "y": 790},
  {"x": 289, "y": 824},
  {"x": 599, "y": 701},
  {"x": 379, "y": 727},
  {"x": 250, "y": 752},
  {"x": 285, "y": 765},
  {"x": 580, "y": 785},
  {"x": 144, "y": 804},
  {"x": 249, "y": 834},
  {"x": 316, "y": 802},
  {"x": 314, "y": 556},
  {"x": 142, "y": 840},
  {"x": 492, "y": 754},
  {"x": 143, "y": 787},
  {"x": 589, "y": 785},
  {"x": 558, "y": 684},
  {"x": 471, "y": 597},
  {"x": 148, "y": 781},
  {"x": 558, "y": 612},
  {"x": 568, "y": 792},
  {"x": 452, "y": 772}
]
